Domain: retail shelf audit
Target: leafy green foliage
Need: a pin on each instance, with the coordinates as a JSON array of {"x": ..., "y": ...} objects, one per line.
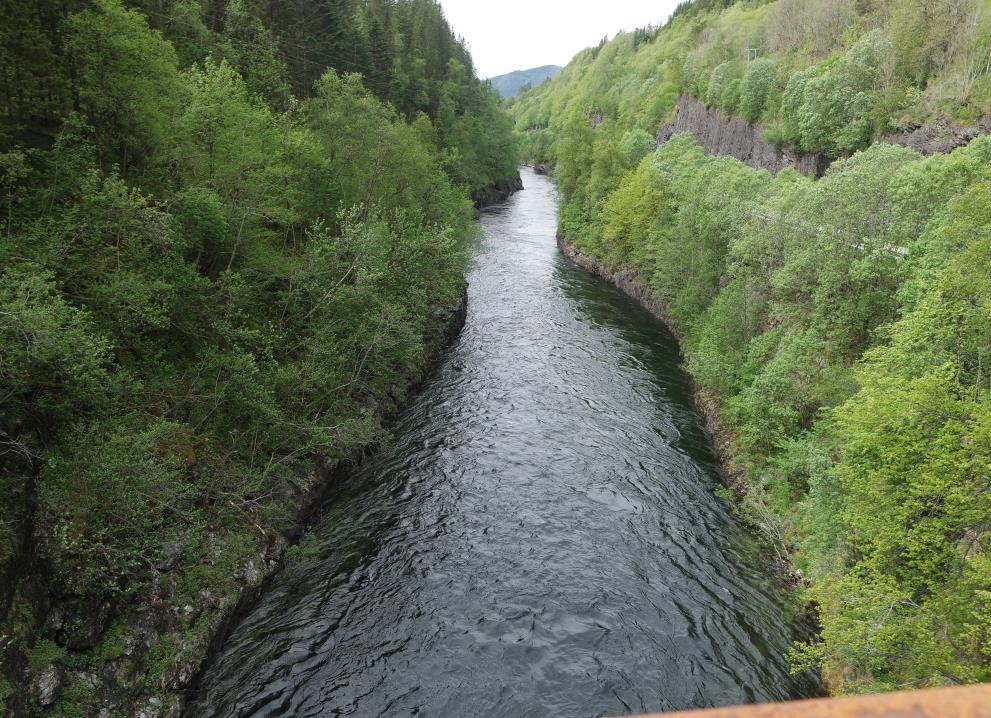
[
  {"x": 911, "y": 481},
  {"x": 217, "y": 272},
  {"x": 827, "y": 76},
  {"x": 779, "y": 286},
  {"x": 842, "y": 324},
  {"x": 124, "y": 80},
  {"x": 725, "y": 88},
  {"x": 831, "y": 110},
  {"x": 116, "y": 66},
  {"x": 636, "y": 145},
  {"x": 758, "y": 89}
]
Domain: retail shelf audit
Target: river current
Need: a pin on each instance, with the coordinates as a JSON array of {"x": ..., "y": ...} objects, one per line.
[{"x": 543, "y": 537}]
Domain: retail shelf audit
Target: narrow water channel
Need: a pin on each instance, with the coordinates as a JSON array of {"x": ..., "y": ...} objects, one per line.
[{"x": 542, "y": 539}]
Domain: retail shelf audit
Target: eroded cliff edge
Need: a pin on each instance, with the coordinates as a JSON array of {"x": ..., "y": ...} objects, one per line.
[
  {"x": 496, "y": 193},
  {"x": 735, "y": 137}
]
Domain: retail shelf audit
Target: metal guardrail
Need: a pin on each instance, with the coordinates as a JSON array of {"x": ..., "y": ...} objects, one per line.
[{"x": 962, "y": 702}]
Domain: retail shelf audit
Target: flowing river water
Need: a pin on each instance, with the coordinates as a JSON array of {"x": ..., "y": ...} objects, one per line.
[{"x": 542, "y": 539}]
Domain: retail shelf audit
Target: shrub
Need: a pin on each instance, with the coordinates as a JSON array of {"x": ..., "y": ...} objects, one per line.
[
  {"x": 635, "y": 145},
  {"x": 759, "y": 84}
]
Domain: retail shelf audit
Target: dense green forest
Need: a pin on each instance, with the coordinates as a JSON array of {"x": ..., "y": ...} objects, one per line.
[
  {"x": 231, "y": 234},
  {"x": 842, "y": 327}
]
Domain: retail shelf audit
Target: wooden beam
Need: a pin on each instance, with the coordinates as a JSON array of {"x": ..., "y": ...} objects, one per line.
[{"x": 962, "y": 702}]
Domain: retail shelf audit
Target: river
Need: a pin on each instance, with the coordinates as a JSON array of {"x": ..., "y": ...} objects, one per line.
[{"x": 543, "y": 537}]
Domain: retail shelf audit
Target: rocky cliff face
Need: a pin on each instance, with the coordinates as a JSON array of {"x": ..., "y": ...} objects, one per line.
[
  {"x": 735, "y": 137},
  {"x": 939, "y": 137},
  {"x": 496, "y": 193}
]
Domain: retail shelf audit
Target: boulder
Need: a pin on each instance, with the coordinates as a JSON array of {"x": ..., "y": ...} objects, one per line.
[{"x": 46, "y": 684}]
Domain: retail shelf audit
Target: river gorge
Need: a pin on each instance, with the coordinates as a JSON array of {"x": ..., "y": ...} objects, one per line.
[{"x": 542, "y": 538}]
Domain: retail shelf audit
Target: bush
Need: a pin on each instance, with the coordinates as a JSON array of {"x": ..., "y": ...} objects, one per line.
[
  {"x": 831, "y": 109},
  {"x": 113, "y": 491},
  {"x": 720, "y": 77},
  {"x": 759, "y": 84},
  {"x": 635, "y": 145}
]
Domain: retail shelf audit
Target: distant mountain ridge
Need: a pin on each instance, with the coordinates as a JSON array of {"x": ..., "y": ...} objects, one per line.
[{"x": 510, "y": 84}]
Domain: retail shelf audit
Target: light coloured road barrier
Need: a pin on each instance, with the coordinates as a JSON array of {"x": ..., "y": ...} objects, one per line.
[{"x": 962, "y": 702}]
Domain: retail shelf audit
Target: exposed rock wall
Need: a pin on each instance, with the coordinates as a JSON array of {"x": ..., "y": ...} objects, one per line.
[
  {"x": 735, "y": 137},
  {"x": 496, "y": 193},
  {"x": 940, "y": 137}
]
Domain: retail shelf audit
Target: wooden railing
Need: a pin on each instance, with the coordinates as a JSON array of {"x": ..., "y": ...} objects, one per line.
[{"x": 963, "y": 702}]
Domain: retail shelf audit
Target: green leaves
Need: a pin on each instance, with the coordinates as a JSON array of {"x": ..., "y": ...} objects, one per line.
[
  {"x": 830, "y": 108},
  {"x": 125, "y": 80},
  {"x": 51, "y": 354},
  {"x": 725, "y": 88},
  {"x": 910, "y": 485},
  {"x": 758, "y": 89},
  {"x": 635, "y": 145},
  {"x": 209, "y": 287},
  {"x": 915, "y": 508},
  {"x": 111, "y": 494}
]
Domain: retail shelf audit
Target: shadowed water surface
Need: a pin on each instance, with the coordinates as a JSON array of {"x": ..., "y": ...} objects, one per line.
[{"x": 542, "y": 539}]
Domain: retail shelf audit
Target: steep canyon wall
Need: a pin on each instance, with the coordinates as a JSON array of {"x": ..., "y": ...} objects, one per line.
[{"x": 735, "y": 137}]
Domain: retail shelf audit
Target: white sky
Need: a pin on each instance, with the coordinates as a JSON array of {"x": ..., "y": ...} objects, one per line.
[{"x": 507, "y": 35}]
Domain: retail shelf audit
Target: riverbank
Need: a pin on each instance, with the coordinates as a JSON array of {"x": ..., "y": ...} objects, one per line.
[
  {"x": 496, "y": 193},
  {"x": 707, "y": 403},
  {"x": 140, "y": 654},
  {"x": 445, "y": 330}
]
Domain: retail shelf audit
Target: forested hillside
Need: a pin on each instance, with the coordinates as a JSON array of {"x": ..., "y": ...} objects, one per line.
[
  {"x": 510, "y": 84},
  {"x": 224, "y": 260},
  {"x": 841, "y": 327},
  {"x": 826, "y": 76}
]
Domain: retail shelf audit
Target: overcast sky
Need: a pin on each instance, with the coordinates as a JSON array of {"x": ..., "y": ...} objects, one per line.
[{"x": 506, "y": 35}]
